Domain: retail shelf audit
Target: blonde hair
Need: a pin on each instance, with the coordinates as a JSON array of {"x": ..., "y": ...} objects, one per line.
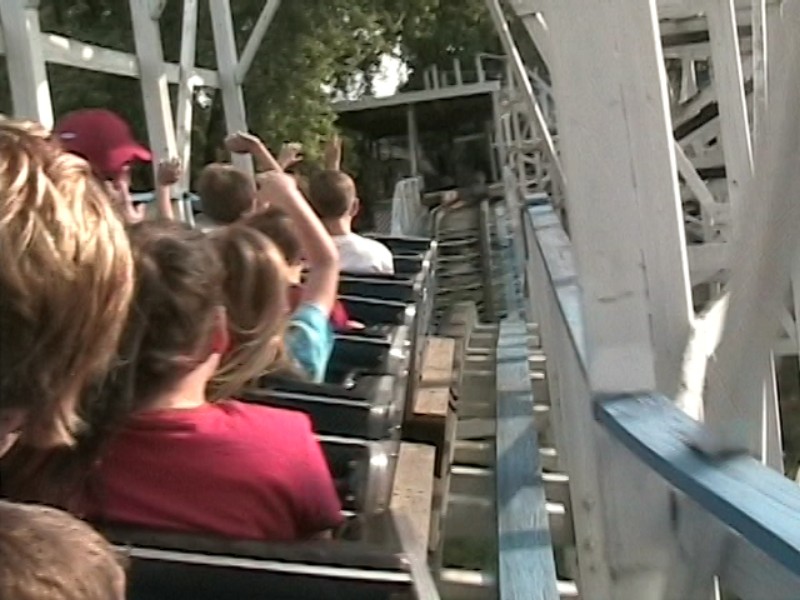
[
  {"x": 46, "y": 554},
  {"x": 65, "y": 280},
  {"x": 256, "y": 300}
]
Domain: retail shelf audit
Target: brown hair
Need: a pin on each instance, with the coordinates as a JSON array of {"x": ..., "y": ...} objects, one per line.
[
  {"x": 226, "y": 193},
  {"x": 65, "y": 280},
  {"x": 46, "y": 554},
  {"x": 332, "y": 194},
  {"x": 176, "y": 301},
  {"x": 178, "y": 293},
  {"x": 279, "y": 228},
  {"x": 255, "y": 292}
]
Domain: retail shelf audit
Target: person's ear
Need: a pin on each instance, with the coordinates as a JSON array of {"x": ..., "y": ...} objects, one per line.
[
  {"x": 220, "y": 336},
  {"x": 355, "y": 208}
]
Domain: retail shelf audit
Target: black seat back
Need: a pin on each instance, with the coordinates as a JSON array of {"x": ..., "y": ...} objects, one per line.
[
  {"x": 375, "y": 312},
  {"x": 401, "y": 290},
  {"x": 364, "y": 411},
  {"x": 169, "y": 567}
]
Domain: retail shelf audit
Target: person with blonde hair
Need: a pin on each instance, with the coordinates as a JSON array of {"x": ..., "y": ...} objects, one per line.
[
  {"x": 255, "y": 296},
  {"x": 46, "y": 554},
  {"x": 65, "y": 285},
  {"x": 169, "y": 451}
]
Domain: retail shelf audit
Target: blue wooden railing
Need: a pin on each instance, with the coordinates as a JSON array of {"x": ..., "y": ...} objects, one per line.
[{"x": 755, "y": 510}]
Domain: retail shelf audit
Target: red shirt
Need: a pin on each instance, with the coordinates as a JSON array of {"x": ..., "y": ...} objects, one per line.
[
  {"x": 339, "y": 318},
  {"x": 231, "y": 469}
]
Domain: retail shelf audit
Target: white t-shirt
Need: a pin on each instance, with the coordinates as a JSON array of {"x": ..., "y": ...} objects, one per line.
[{"x": 358, "y": 254}]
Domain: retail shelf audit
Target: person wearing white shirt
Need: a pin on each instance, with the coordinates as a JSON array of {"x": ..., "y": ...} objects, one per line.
[{"x": 333, "y": 196}]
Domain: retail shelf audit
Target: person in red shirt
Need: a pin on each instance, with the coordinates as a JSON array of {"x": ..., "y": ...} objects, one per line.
[{"x": 167, "y": 457}]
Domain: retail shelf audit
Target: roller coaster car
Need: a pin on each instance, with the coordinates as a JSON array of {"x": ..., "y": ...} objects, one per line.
[
  {"x": 372, "y": 311},
  {"x": 364, "y": 409},
  {"x": 363, "y": 473},
  {"x": 166, "y": 566},
  {"x": 405, "y": 244},
  {"x": 408, "y": 290}
]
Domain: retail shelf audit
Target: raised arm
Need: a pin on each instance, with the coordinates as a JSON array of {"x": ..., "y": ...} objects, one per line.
[
  {"x": 280, "y": 189},
  {"x": 247, "y": 143},
  {"x": 167, "y": 175},
  {"x": 333, "y": 154}
]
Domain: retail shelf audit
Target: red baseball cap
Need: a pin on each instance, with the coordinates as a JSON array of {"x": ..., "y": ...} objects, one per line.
[{"x": 103, "y": 138}]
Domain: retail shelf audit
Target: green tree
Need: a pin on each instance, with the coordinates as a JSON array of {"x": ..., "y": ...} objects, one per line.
[{"x": 313, "y": 47}]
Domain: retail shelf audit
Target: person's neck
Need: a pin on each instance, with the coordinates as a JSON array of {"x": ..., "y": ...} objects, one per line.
[
  {"x": 188, "y": 392},
  {"x": 340, "y": 226}
]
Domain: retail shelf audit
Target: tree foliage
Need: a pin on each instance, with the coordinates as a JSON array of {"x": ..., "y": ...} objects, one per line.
[{"x": 312, "y": 48}]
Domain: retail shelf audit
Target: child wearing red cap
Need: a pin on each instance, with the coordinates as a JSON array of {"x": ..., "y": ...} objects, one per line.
[{"x": 105, "y": 140}]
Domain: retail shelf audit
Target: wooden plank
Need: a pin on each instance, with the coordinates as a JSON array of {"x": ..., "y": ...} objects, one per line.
[
  {"x": 185, "y": 107},
  {"x": 752, "y": 575},
  {"x": 413, "y": 491},
  {"x": 405, "y": 98},
  {"x": 433, "y": 397},
  {"x": 256, "y": 37},
  {"x": 736, "y": 378},
  {"x": 526, "y": 563},
  {"x": 521, "y": 78},
  {"x": 745, "y": 496},
  {"x": 729, "y": 83},
  {"x": 153, "y": 82},
  {"x": 227, "y": 62},
  {"x": 27, "y": 74}
]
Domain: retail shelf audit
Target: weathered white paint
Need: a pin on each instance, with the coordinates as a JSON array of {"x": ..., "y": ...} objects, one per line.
[
  {"x": 256, "y": 37},
  {"x": 762, "y": 273},
  {"x": 729, "y": 83},
  {"x": 27, "y": 73},
  {"x": 227, "y": 62},
  {"x": 155, "y": 90},
  {"x": 186, "y": 89},
  {"x": 522, "y": 80}
]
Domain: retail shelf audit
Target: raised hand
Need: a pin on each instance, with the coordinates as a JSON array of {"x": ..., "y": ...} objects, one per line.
[
  {"x": 291, "y": 154},
  {"x": 169, "y": 172},
  {"x": 242, "y": 142},
  {"x": 333, "y": 153}
]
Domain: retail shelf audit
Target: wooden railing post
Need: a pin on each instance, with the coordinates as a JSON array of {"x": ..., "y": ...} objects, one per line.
[{"x": 626, "y": 229}]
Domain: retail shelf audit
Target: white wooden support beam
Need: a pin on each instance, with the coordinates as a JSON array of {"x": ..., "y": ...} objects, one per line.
[
  {"x": 759, "y": 43},
  {"x": 157, "y": 8},
  {"x": 255, "y": 39},
  {"x": 186, "y": 89},
  {"x": 522, "y": 79},
  {"x": 617, "y": 146},
  {"x": 734, "y": 410},
  {"x": 699, "y": 554},
  {"x": 729, "y": 83},
  {"x": 532, "y": 17},
  {"x": 153, "y": 80},
  {"x": 232, "y": 95},
  {"x": 27, "y": 72},
  {"x": 413, "y": 140},
  {"x": 68, "y": 52}
]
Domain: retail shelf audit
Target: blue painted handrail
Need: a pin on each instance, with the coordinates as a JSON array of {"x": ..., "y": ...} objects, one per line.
[
  {"x": 751, "y": 499},
  {"x": 737, "y": 491}
]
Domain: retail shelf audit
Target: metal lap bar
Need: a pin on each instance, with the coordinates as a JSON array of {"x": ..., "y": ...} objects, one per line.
[
  {"x": 328, "y": 572},
  {"x": 165, "y": 574},
  {"x": 366, "y": 466}
]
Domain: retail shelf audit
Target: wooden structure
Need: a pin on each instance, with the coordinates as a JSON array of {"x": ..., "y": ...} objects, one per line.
[{"x": 666, "y": 122}]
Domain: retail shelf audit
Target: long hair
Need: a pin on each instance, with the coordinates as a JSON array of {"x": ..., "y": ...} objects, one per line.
[
  {"x": 176, "y": 301},
  {"x": 255, "y": 294}
]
